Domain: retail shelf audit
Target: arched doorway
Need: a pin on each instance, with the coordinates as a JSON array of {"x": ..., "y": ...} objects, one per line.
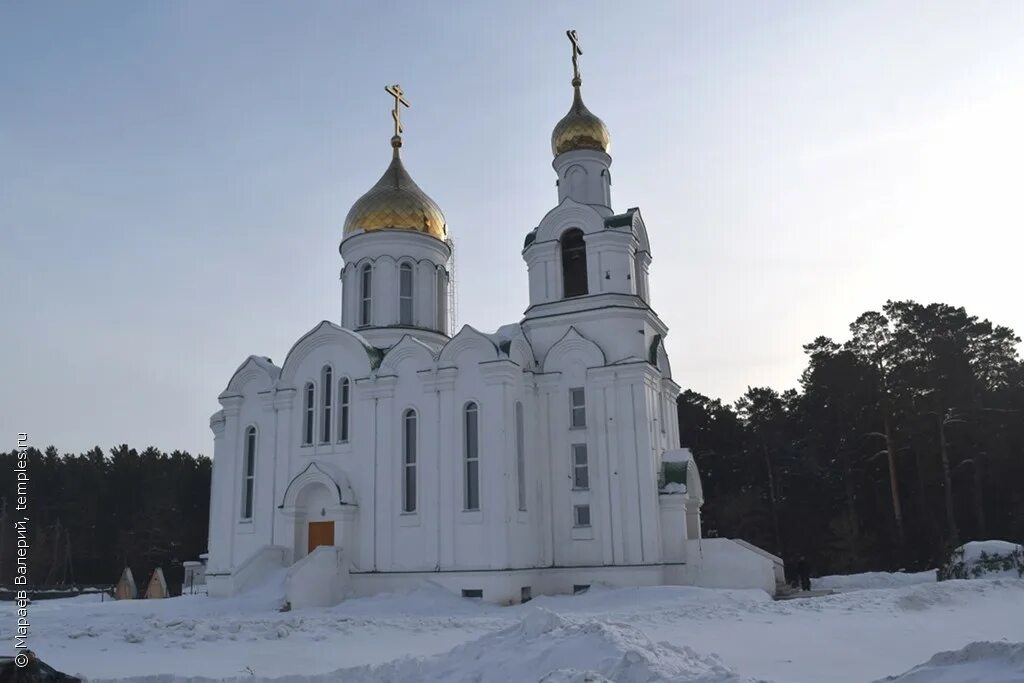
[
  {"x": 316, "y": 509},
  {"x": 319, "y": 507}
]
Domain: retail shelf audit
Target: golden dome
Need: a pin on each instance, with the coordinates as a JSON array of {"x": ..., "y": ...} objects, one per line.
[
  {"x": 396, "y": 202},
  {"x": 579, "y": 129}
]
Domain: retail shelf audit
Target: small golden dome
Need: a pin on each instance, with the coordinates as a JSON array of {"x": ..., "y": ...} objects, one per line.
[
  {"x": 579, "y": 129},
  {"x": 396, "y": 203}
]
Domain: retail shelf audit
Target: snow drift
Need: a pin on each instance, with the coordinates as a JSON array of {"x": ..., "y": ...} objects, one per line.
[
  {"x": 542, "y": 646},
  {"x": 982, "y": 662}
]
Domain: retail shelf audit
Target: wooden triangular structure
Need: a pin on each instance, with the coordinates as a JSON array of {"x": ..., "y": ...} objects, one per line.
[
  {"x": 125, "y": 588},
  {"x": 157, "y": 587}
]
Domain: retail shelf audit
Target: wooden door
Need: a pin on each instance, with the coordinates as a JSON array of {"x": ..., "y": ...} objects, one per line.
[{"x": 320, "y": 533}]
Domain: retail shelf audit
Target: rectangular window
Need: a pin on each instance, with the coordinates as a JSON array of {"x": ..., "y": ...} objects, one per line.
[
  {"x": 520, "y": 457},
  {"x": 472, "y": 445},
  {"x": 409, "y": 462},
  {"x": 366, "y": 294},
  {"x": 578, "y": 402},
  {"x": 580, "y": 588},
  {"x": 580, "y": 467},
  {"x": 405, "y": 294},
  {"x": 343, "y": 406},
  {"x": 525, "y": 594},
  {"x": 581, "y": 515},
  {"x": 250, "y": 472},
  {"x": 328, "y": 386},
  {"x": 307, "y": 426},
  {"x": 472, "y": 593}
]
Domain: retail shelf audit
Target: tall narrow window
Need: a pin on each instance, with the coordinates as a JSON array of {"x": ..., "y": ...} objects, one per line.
[
  {"x": 307, "y": 415},
  {"x": 578, "y": 406},
  {"x": 574, "y": 263},
  {"x": 409, "y": 461},
  {"x": 471, "y": 442},
  {"x": 344, "y": 401},
  {"x": 405, "y": 294},
  {"x": 520, "y": 457},
  {"x": 580, "y": 467},
  {"x": 327, "y": 382},
  {"x": 249, "y": 476},
  {"x": 366, "y": 294},
  {"x": 442, "y": 302},
  {"x": 638, "y": 278}
]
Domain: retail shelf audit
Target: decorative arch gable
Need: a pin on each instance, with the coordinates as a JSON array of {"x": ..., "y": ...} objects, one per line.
[
  {"x": 467, "y": 339},
  {"x": 408, "y": 348},
  {"x": 326, "y": 334},
  {"x": 258, "y": 369},
  {"x": 319, "y": 473},
  {"x": 573, "y": 347},
  {"x": 640, "y": 231},
  {"x": 521, "y": 353},
  {"x": 569, "y": 214}
]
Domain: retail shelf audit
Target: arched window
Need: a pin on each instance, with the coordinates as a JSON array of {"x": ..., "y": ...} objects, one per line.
[
  {"x": 520, "y": 457},
  {"x": 409, "y": 461},
  {"x": 365, "y": 294},
  {"x": 574, "y": 263},
  {"x": 307, "y": 415},
  {"x": 344, "y": 401},
  {"x": 327, "y": 382},
  {"x": 405, "y": 294},
  {"x": 471, "y": 450},
  {"x": 249, "y": 475}
]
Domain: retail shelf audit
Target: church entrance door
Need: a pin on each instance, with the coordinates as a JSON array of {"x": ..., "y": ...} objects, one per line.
[{"x": 320, "y": 533}]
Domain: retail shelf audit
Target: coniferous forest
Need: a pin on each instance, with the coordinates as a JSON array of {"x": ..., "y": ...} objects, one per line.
[
  {"x": 902, "y": 441},
  {"x": 95, "y": 513}
]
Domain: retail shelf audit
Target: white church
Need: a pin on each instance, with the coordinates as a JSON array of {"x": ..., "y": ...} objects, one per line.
[{"x": 386, "y": 451}]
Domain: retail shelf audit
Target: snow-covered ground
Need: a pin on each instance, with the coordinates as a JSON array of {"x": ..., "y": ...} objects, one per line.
[
  {"x": 854, "y": 582},
  {"x": 914, "y": 628}
]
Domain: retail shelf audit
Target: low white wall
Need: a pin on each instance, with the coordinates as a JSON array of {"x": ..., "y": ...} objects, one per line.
[
  {"x": 777, "y": 564},
  {"x": 320, "y": 579},
  {"x": 723, "y": 563},
  {"x": 250, "y": 572}
]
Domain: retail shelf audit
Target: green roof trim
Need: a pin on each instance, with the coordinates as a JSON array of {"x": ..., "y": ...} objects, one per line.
[
  {"x": 376, "y": 355},
  {"x": 621, "y": 220}
]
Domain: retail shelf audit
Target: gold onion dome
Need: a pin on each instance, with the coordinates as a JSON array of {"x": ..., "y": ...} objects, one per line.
[
  {"x": 396, "y": 203},
  {"x": 579, "y": 129}
]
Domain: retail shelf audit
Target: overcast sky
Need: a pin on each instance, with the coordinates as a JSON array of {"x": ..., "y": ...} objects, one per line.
[{"x": 174, "y": 177}]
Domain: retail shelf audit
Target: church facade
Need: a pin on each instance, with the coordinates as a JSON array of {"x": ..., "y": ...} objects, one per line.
[{"x": 539, "y": 458}]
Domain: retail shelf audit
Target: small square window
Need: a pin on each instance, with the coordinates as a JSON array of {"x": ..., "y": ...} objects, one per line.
[
  {"x": 578, "y": 405},
  {"x": 472, "y": 593},
  {"x": 525, "y": 594},
  {"x": 581, "y": 515}
]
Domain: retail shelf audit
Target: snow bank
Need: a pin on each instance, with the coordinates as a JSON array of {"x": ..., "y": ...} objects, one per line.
[
  {"x": 603, "y": 599},
  {"x": 543, "y": 646},
  {"x": 871, "y": 580},
  {"x": 982, "y": 662},
  {"x": 988, "y": 559}
]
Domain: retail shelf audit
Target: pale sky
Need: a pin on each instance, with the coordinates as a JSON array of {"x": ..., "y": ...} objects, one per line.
[{"x": 174, "y": 178}]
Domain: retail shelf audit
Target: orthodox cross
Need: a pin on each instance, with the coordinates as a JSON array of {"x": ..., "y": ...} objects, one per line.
[
  {"x": 396, "y": 113},
  {"x": 576, "y": 52}
]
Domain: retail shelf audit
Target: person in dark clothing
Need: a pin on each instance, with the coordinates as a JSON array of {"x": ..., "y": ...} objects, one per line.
[{"x": 803, "y": 572}]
